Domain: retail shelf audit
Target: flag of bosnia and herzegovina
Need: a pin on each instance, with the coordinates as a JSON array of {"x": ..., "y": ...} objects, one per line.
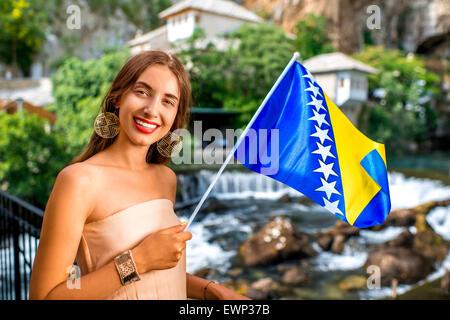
[{"x": 315, "y": 149}]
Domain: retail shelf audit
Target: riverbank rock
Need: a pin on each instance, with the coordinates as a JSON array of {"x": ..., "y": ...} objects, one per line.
[
  {"x": 334, "y": 238},
  {"x": 427, "y": 242},
  {"x": 404, "y": 239},
  {"x": 241, "y": 286},
  {"x": 267, "y": 288},
  {"x": 353, "y": 283},
  {"x": 295, "y": 276},
  {"x": 277, "y": 241},
  {"x": 305, "y": 201},
  {"x": 235, "y": 272},
  {"x": 407, "y": 217},
  {"x": 206, "y": 272},
  {"x": 338, "y": 244},
  {"x": 409, "y": 257},
  {"x": 429, "y": 290},
  {"x": 295, "y": 199},
  {"x": 399, "y": 263}
]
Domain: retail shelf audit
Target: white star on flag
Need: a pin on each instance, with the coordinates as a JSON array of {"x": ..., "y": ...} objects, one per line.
[
  {"x": 332, "y": 206},
  {"x": 328, "y": 187},
  {"x": 321, "y": 134},
  {"x": 323, "y": 151},
  {"x": 313, "y": 89},
  {"x": 317, "y": 103},
  {"x": 309, "y": 75},
  {"x": 320, "y": 118},
  {"x": 326, "y": 169}
]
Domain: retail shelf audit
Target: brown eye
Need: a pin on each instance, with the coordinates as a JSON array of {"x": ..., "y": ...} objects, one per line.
[{"x": 170, "y": 102}]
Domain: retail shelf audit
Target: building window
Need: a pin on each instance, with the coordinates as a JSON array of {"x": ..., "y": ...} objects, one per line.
[
  {"x": 341, "y": 83},
  {"x": 197, "y": 18}
]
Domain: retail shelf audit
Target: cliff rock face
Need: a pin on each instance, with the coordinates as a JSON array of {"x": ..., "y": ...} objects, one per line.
[
  {"x": 96, "y": 30},
  {"x": 413, "y": 25}
]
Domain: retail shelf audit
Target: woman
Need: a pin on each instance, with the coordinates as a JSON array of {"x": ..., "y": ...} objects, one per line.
[{"x": 111, "y": 209}]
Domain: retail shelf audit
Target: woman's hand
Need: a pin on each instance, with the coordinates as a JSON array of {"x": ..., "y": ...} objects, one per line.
[
  {"x": 162, "y": 249},
  {"x": 216, "y": 291}
]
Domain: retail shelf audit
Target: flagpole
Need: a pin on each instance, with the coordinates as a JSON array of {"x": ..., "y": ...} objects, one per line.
[{"x": 241, "y": 137}]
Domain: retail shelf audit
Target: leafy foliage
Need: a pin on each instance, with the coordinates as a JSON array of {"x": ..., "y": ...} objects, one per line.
[
  {"x": 311, "y": 36},
  {"x": 144, "y": 13},
  {"x": 78, "y": 89},
  {"x": 238, "y": 77},
  {"x": 22, "y": 30},
  {"x": 262, "y": 53},
  {"x": 402, "y": 115},
  {"x": 208, "y": 70},
  {"x": 30, "y": 158}
]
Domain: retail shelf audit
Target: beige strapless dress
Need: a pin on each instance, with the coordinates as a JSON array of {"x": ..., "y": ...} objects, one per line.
[{"x": 104, "y": 239}]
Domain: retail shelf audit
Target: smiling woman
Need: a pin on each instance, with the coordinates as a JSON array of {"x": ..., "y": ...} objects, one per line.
[
  {"x": 112, "y": 209},
  {"x": 137, "y": 85}
]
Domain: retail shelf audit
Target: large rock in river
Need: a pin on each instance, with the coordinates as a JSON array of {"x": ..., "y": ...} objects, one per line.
[
  {"x": 275, "y": 242},
  {"x": 403, "y": 264}
]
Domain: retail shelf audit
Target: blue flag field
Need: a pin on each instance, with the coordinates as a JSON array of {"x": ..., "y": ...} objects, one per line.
[{"x": 302, "y": 139}]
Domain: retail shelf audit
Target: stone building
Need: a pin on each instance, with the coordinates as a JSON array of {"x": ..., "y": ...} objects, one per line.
[
  {"x": 215, "y": 17},
  {"x": 343, "y": 79}
]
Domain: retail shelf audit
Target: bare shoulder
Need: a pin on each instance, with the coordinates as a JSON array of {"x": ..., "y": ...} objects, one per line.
[
  {"x": 78, "y": 181},
  {"x": 77, "y": 174}
]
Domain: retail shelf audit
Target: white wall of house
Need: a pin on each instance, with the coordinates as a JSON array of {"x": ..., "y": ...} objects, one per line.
[
  {"x": 328, "y": 83},
  {"x": 358, "y": 86},
  {"x": 181, "y": 26},
  {"x": 342, "y": 87},
  {"x": 347, "y": 89},
  {"x": 351, "y": 85}
]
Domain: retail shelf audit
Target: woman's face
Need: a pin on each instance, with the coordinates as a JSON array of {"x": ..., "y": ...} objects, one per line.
[{"x": 149, "y": 107}]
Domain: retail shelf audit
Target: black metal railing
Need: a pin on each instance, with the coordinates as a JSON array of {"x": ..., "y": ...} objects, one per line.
[{"x": 20, "y": 227}]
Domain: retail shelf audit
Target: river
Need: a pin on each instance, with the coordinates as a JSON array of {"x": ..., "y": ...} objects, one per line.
[{"x": 251, "y": 201}]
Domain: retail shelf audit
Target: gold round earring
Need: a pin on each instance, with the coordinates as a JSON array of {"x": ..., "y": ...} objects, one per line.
[
  {"x": 106, "y": 125},
  {"x": 170, "y": 145}
]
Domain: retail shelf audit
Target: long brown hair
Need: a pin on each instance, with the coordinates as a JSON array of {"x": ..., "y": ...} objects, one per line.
[{"x": 125, "y": 79}]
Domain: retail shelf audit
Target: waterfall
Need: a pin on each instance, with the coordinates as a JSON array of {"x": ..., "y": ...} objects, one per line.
[{"x": 232, "y": 185}]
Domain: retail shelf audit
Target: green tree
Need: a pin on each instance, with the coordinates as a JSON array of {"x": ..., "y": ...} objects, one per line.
[
  {"x": 260, "y": 55},
  {"x": 144, "y": 13},
  {"x": 30, "y": 158},
  {"x": 78, "y": 88},
  {"x": 311, "y": 36},
  {"x": 402, "y": 115},
  {"x": 22, "y": 30},
  {"x": 208, "y": 70},
  {"x": 239, "y": 76}
]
